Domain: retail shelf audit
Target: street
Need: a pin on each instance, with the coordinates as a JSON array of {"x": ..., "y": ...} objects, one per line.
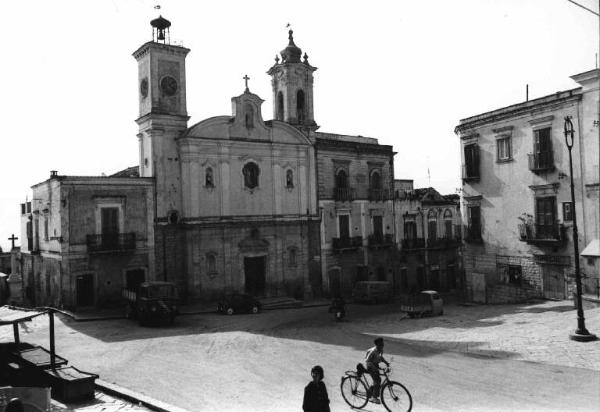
[{"x": 262, "y": 362}]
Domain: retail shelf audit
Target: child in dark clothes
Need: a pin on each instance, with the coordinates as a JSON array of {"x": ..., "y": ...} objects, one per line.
[{"x": 315, "y": 393}]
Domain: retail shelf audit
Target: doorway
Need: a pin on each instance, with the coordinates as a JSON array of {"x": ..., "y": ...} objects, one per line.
[
  {"x": 85, "y": 290},
  {"x": 554, "y": 282},
  {"x": 254, "y": 270}
]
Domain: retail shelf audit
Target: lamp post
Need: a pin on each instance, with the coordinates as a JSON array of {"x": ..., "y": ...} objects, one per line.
[{"x": 580, "y": 334}]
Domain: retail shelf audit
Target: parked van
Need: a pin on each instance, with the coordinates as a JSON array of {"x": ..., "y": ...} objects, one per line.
[{"x": 372, "y": 291}]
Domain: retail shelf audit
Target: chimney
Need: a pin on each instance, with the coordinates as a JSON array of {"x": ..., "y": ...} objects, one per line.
[{"x": 53, "y": 174}]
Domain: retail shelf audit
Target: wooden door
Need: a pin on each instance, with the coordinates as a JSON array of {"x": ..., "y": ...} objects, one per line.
[{"x": 554, "y": 282}]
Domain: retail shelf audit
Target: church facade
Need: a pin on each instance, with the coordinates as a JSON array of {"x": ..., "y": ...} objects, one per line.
[{"x": 232, "y": 203}]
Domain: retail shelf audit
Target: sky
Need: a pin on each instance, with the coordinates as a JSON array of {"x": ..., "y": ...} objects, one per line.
[{"x": 402, "y": 71}]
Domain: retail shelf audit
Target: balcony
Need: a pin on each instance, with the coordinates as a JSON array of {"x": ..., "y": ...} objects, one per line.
[
  {"x": 472, "y": 234},
  {"x": 379, "y": 195},
  {"x": 111, "y": 242},
  {"x": 470, "y": 173},
  {"x": 379, "y": 240},
  {"x": 536, "y": 234},
  {"x": 343, "y": 194},
  {"x": 346, "y": 243},
  {"x": 541, "y": 162},
  {"x": 445, "y": 242},
  {"x": 414, "y": 243}
]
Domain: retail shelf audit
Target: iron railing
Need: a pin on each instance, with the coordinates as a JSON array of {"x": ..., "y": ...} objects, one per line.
[
  {"x": 111, "y": 242},
  {"x": 343, "y": 194},
  {"x": 541, "y": 161},
  {"x": 536, "y": 233},
  {"x": 347, "y": 242},
  {"x": 379, "y": 195},
  {"x": 380, "y": 239},
  {"x": 413, "y": 243}
]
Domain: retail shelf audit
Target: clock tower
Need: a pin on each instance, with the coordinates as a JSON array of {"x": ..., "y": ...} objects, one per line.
[
  {"x": 162, "y": 115},
  {"x": 292, "y": 81}
]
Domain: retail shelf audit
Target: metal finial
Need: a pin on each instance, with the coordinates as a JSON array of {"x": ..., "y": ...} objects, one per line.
[
  {"x": 246, "y": 78},
  {"x": 276, "y": 59},
  {"x": 305, "y": 58}
]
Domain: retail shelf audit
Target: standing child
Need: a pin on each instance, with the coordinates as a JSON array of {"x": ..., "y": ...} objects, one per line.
[{"x": 315, "y": 393}]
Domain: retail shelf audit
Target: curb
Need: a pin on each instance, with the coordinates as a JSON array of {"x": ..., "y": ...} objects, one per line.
[{"x": 136, "y": 398}]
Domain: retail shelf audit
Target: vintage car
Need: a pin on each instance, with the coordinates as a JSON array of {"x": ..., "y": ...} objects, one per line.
[
  {"x": 238, "y": 303},
  {"x": 425, "y": 303},
  {"x": 372, "y": 291},
  {"x": 152, "y": 302}
]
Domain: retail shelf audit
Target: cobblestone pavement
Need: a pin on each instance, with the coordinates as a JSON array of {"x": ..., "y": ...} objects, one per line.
[
  {"x": 101, "y": 403},
  {"x": 537, "y": 332}
]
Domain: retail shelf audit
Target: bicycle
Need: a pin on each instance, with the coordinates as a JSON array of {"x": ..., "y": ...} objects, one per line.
[{"x": 356, "y": 390}]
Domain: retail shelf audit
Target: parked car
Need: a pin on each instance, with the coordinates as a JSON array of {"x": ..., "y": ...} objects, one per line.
[
  {"x": 238, "y": 303},
  {"x": 372, "y": 291},
  {"x": 152, "y": 302},
  {"x": 425, "y": 303}
]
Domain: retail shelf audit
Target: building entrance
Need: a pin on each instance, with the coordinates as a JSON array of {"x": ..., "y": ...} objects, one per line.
[
  {"x": 554, "y": 282},
  {"x": 254, "y": 270},
  {"x": 85, "y": 290}
]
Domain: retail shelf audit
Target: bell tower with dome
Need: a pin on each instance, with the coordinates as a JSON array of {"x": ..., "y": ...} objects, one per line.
[
  {"x": 162, "y": 115},
  {"x": 292, "y": 81}
]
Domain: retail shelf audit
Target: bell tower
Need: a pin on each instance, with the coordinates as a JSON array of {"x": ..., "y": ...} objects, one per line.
[
  {"x": 292, "y": 81},
  {"x": 162, "y": 114}
]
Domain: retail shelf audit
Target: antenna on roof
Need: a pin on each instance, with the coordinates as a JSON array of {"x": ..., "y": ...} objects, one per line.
[{"x": 527, "y": 92}]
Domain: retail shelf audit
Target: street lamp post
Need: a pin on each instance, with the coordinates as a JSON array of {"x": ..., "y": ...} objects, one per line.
[{"x": 580, "y": 334}]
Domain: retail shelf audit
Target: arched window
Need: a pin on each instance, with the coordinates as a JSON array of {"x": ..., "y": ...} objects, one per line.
[
  {"x": 280, "y": 106},
  {"x": 289, "y": 179},
  {"x": 300, "y": 107},
  {"x": 341, "y": 179},
  {"x": 432, "y": 225},
  {"x": 251, "y": 173},
  {"x": 375, "y": 181},
  {"x": 249, "y": 113},
  {"x": 208, "y": 178},
  {"x": 448, "y": 223},
  {"x": 211, "y": 263}
]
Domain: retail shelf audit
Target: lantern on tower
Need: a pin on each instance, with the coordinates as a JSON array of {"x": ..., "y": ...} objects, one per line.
[{"x": 160, "y": 30}]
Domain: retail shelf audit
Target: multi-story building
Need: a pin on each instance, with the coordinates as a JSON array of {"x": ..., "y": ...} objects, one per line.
[
  {"x": 84, "y": 238},
  {"x": 355, "y": 189},
  {"x": 516, "y": 195},
  {"x": 428, "y": 235}
]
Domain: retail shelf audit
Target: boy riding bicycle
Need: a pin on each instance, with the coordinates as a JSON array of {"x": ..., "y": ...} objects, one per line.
[{"x": 374, "y": 357}]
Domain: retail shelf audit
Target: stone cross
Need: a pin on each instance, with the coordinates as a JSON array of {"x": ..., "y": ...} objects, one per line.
[
  {"x": 246, "y": 78},
  {"x": 13, "y": 238}
]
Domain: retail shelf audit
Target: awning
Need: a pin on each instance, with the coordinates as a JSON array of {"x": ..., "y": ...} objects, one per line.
[{"x": 592, "y": 249}]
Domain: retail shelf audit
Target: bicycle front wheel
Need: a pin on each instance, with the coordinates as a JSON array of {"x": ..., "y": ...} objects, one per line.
[
  {"x": 354, "y": 392},
  {"x": 396, "y": 397}
]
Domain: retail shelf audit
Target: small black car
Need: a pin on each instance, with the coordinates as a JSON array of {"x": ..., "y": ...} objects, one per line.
[{"x": 238, "y": 302}]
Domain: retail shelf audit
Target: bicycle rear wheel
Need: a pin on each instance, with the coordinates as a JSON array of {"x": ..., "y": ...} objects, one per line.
[
  {"x": 354, "y": 392},
  {"x": 396, "y": 397}
]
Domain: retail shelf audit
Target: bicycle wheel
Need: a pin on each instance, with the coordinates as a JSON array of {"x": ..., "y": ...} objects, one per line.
[
  {"x": 396, "y": 397},
  {"x": 354, "y": 392}
]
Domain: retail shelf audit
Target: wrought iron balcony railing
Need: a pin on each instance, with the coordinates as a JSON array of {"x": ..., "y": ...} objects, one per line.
[
  {"x": 541, "y": 162},
  {"x": 340, "y": 243},
  {"x": 542, "y": 234},
  {"x": 381, "y": 240},
  {"x": 379, "y": 195},
  {"x": 413, "y": 243},
  {"x": 343, "y": 194},
  {"x": 111, "y": 242}
]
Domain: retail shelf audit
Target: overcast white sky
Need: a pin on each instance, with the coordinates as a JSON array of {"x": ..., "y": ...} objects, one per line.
[{"x": 403, "y": 71}]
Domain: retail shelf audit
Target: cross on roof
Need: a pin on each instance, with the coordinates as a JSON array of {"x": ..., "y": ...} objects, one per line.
[
  {"x": 246, "y": 78},
  {"x": 13, "y": 238}
]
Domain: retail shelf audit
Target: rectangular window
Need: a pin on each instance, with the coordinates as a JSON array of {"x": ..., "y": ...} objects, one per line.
[
  {"x": 432, "y": 229},
  {"x": 378, "y": 225},
  {"x": 504, "y": 149},
  {"x": 542, "y": 149},
  {"x": 567, "y": 211},
  {"x": 344, "y": 226},
  {"x": 410, "y": 230},
  {"x": 45, "y": 227},
  {"x": 514, "y": 274},
  {"x": 109, "y": 220},
  {"x": 474, "y": 222},
  {"x": 471, "y": 161},
  {"x": 545, "y": 217}
]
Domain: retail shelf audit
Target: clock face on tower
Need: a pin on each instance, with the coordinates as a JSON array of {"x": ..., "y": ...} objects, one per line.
[
  {"x": 168, "y": 85},
  {"x": 144, "y": 87}
]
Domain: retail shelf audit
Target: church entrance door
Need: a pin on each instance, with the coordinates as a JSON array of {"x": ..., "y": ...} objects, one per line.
[
  {"x": 254, "y": 270},
  {"x": 85, "y": 290}
]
